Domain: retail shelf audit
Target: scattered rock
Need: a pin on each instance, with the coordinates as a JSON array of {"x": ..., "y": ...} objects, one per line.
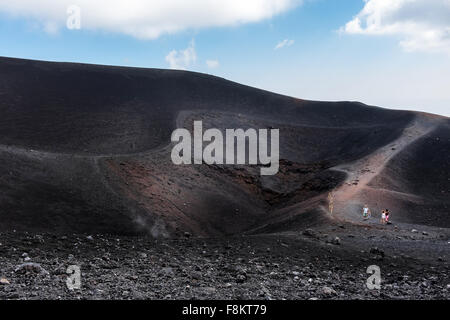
[
  {"x": 414, "y": 231},
  {"x": 30, "y": 267},
  {"x": 207, "y": 291},
  {"x": 4, "y": 281},
  {"x": 376, "y": 251},
  {"x": 167, "y": 271},
  {"x": 241, "y": 278},
  {"x": 336, "y": 241},
  {"x": 327, "y": 291},
  {"x": 310, "y": 233}
]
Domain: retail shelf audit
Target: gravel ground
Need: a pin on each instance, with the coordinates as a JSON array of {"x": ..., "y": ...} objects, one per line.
[{"x": 313, "y": 264}]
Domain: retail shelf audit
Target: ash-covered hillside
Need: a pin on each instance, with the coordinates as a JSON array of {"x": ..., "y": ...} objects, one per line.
[{"x": 86, "y": 149}]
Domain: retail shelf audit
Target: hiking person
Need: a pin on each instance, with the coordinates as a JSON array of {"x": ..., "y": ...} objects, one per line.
[
  {"x": 387, "y": 216},
  {"x": 383, "y": 217},
  {"x": 331, "y": 202},
  {"x": 366, "y": 212}
]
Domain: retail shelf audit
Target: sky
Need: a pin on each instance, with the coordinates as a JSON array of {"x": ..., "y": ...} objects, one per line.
[{"x": 388, "y": 53}]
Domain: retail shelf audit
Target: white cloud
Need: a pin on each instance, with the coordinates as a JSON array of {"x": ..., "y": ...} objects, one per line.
[
  {"x": 423, "y": 25},
  {"x": 51, "y": 27},
  {"x": 212, "y": 64},
  {"x": 183, "y": 59},
  {"x": 284, "y": 43},
  {"x": 149, "y": 19}
]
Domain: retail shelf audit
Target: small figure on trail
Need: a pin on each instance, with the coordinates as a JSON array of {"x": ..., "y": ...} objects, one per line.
[
  {"x": 331, "y": 202},
  {"x": 387, "y": 216},
  {"x": 366, "y": 212},
  {"x": 383, "y": 217}
]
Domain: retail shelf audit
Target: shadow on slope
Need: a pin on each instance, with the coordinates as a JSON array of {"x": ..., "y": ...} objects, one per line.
[{"x": 421, "y": 170}]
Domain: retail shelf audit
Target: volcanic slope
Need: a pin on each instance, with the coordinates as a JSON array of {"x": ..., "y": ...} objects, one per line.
[{"x": 86, "y": 149}]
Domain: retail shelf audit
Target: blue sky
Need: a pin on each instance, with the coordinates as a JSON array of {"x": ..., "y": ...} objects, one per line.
[{"x": 332, "y": 49}]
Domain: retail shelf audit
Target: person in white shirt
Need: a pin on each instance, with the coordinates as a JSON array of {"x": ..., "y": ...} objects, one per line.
[
  {"x": 383, "y": 217},
  {"x": 366, "y": 212}
]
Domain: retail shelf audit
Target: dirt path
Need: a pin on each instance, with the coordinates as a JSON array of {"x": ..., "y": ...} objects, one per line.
[{"x": 361, "y": 172}]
